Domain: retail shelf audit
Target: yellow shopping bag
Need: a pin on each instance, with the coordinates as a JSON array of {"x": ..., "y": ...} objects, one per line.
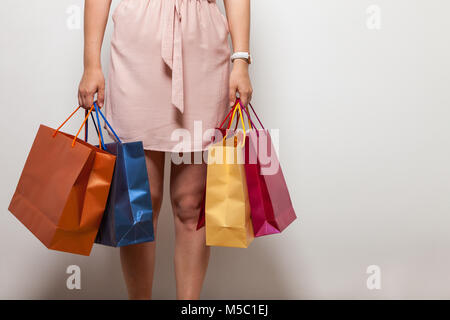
[{"x": 227, "y": 207}]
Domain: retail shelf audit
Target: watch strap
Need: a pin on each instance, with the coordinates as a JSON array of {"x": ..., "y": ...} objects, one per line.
[{"x": 241, "y": 55}]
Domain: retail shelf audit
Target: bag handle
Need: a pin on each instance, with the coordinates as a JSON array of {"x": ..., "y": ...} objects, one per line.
[
  {"x": 250, "y": 121},
  {"x": 237, "y": 108},
  {"x": 228, "y": 115},
  {"x": 248, "y": 118},
  {"x": 81, "y": 127},
  {"x": 98, "y": 111},
  {"x": 238, "y": 103},
  {"x": 96, "y": 129},
  {"x": 254, "y": 112},
  {"x": 247, "y": 113},
  {"x": 99, "y": 130}
]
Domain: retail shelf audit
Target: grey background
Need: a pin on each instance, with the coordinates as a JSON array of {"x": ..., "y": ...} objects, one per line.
[{"x": 364, "y": 144}]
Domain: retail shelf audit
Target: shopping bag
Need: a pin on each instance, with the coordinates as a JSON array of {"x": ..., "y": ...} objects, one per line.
[
  {"x": 227, "y": 207},
  {"x": 271, "y": 205},
  {"x": 128, "y": 217},
  {"x": 63, "y": 188},
  {"x": 219, "y": 133}
]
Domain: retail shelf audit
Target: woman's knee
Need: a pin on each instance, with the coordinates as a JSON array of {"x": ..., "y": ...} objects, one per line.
[{"x": 187, "y": 208}]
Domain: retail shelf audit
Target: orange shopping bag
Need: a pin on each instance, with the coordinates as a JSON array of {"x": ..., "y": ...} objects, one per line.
[{"x": 62, "y": 192}]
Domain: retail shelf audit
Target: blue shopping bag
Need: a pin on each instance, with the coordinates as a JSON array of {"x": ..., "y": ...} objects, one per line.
[{"x": 128, "y": 217}]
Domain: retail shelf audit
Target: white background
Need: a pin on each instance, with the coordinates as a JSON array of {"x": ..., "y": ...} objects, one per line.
[{"x": 364, "y": 144}]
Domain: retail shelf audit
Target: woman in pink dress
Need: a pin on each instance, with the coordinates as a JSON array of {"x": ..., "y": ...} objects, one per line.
[{"x": 169, "y": 83}]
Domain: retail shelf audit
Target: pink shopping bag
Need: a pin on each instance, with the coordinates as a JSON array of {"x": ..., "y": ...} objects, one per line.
[{"x": 271, "y": 205}]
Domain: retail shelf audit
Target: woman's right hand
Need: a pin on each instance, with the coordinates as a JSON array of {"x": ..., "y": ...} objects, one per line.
[{"x": 91, "y": 83}]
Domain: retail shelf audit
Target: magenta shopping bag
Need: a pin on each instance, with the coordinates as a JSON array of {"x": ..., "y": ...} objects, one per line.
[{"x": 271, "y": 205}]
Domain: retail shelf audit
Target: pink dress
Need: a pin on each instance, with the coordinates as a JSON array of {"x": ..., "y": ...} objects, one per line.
[{"x": 169, "y": 73}]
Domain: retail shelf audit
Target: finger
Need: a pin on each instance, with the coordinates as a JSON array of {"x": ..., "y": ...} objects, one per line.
[
  {"x": 232, "y": 97},
  {"x": 83, "y": 94},
  {"x": 83, "y": 102},
  {"x": 89, "y": 100},
  {"x": 101, "y": 97},
  {"x": 244, "y": 98},
  {"x": 84, "y": 99},
  {"x": 80, "y": 101}
]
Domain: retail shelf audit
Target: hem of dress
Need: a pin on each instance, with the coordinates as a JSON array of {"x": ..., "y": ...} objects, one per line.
[
  {"x": 149, "y": 148},
  {"x": 155, "y": 148}
]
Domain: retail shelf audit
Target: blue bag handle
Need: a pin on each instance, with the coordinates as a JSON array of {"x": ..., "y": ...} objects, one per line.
[
  {"x": 87, "y": 127},
  {"x": 97, "y": 112},
  {"x": 99, "y": 125}
]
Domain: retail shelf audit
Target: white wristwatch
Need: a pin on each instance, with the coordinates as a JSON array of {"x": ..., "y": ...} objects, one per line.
[{"x": 242, "y": 55}]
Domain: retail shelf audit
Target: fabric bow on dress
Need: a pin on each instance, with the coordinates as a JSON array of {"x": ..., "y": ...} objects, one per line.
[{"x": 172, "y": 49}]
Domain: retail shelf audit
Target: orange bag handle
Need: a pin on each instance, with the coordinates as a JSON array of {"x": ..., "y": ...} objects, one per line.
[{"x": 82, "y": 125}]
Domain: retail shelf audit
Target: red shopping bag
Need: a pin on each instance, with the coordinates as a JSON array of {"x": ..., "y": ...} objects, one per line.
[{"x": 270, "y": 202}]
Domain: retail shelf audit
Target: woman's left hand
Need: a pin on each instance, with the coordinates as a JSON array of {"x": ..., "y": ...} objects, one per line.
[{"x": 240, "y": 82}]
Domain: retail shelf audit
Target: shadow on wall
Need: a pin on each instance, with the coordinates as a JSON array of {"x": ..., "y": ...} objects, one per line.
[
  {"x": 31, "y": 271},
  {"x": 250, "y": 273}
]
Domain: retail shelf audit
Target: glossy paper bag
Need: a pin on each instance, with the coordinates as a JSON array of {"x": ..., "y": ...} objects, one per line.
[
  {"x": 271, "y": 205},
  {"x": 128, "y": 217},
  {"x": 62, "y": 192},
  {"x": 227, "y": 207},
  {"x": 219, "y": 134}
]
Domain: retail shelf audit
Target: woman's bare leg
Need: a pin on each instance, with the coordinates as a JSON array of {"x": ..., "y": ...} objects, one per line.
[
  {"x": 138, "y": 261},
  {"x": 187, "y": 183}
]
